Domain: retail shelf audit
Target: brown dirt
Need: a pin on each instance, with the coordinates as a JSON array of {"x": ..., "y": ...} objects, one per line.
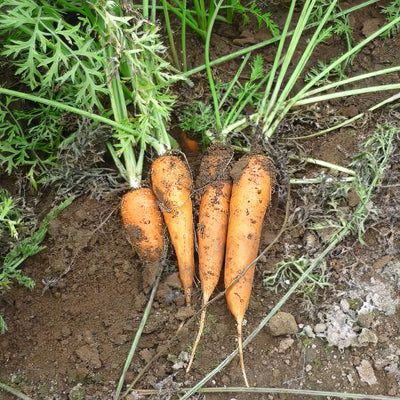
[{"x": 76, "y": 335}]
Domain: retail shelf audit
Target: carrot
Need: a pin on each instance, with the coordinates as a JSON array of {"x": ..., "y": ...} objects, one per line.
[
  {"x": 213, "y": 224},
  {"x": 251, "y": 193},
  {"x": 143, "y": 223},
  {"x": 188, "y": 144},
  {"x": 172, "y": 186}
]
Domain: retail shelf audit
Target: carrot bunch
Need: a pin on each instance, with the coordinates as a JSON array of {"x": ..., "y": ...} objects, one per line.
[{"x": 233, "y": 202}]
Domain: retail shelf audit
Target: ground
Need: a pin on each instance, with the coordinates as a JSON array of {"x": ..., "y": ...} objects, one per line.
[{"x": 69, "y": 340}]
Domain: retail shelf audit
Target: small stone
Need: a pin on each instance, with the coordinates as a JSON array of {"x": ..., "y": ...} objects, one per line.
[
  {"x": 350, "y": 378},
  {"x": 89, "y": 355},
  {"x": 371, "y": 25},
  {"x": 366, "y": 373},
  {"x": 282, "y": 323},
  {"x": 285, "y": 344},
  {"x": 173, "y": 281},
  {"x": 119, "y": 339},
  {"x": 380, "y": 263},
  {"x": 88, "y": 337},
  {"x": 178, "y": 365},
  {"x": 184, "y": 313},
  {"x": 146, "y": 354},
  {"x": 319, "y": 328},
  {"x": 366, "y": 337},
  {"x": 308, "y": 367},
  {"x": 344, "y": 305},
  {"x": 309, "y": 332},
  {"x": 226, "y": 380}
]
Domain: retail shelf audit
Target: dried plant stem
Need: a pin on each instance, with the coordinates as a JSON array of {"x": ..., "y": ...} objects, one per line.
[
  {"x": 138, "y": 335},
  {"x": 298, "y": 392}
]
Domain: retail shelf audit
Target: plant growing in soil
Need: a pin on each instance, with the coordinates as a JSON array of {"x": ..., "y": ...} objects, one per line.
[
  {"x": 25, "y": 248},
  {"x": 276, "y": 101}
]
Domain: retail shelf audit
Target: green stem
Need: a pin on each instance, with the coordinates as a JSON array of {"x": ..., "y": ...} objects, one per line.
[
  {"x": 275, "y": 65},
  {"x": 145, "y": 11},
  {"x": 208, "y": 68},
  {"x": 78, "y": 111},
  {"x": 325, "y": 164},
  {"x": 306, "y": 88},
  {"x": 170, "y": 35},
  {"x": 351, "y": 80},
  {"x": 234, "y": 80},
  {"x": 304, "y": 16},
  {"x": 349, "y": 120},
  {"x": 183, "y": 36},
  {"x": 346, "y": 93},
  {"x": 271, "y": 112},
  {"x": 14, "y": 392},
  {"x": 264, "y": 43},
  {"x": 153, "y": 11}
]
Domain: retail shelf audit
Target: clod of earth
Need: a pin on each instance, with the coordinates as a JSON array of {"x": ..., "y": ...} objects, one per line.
[{"x": 282, "y": 323}]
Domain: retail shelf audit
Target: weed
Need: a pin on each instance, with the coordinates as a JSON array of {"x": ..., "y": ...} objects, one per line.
[
  {"x": 286, "y": 272},
  {"x": 337, "y": 73},
  {"x": 25, "y": 248},
  {"x": 10, "y": 216},
  {"x": 307, "y": 342},
  {"x": 392, "y": 12}
]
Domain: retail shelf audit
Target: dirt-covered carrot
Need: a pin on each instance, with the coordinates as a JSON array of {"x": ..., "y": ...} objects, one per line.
[
  {"x": 143, "y": 223},
  {"x": 172, "y": 184},
  {"x": 251, "y": 192},
  {"x": 215, "y": 183}
]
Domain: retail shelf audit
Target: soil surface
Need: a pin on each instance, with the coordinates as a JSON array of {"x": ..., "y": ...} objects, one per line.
[{"x": 69, "y": 338}]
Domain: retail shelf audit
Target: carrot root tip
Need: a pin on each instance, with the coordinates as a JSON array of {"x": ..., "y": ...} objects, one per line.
[
  {"x": 240, "y": 349},
  {"x": 196, "y": 342}
]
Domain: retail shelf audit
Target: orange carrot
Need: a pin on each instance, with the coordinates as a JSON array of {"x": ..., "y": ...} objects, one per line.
[
  {"x": 172, "y": 186},
  {"x": 143, "y": 223},
  {"x": 188, "y": 144},
  {"x": 213, "y": 224},
  {"x": 251, "y": 193}
]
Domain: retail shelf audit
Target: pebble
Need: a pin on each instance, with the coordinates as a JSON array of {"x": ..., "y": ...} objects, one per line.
[
  {"x": 119, "y": 339},
  {"x": 366, "y": 373},
  {"x": 319, "y": 328},
  {"x": 173, "y": 281},
  {"x": 226, "y": 380},
  {"x": 308, "y": 367},
  {"x": 365, "y": 319},
  {"x": 367, "y": 336},
  {"x": 89, "y": 355},
  {"x": 309, "y": 332},
  {"x": 285, "y": 344},
  {"x": 282, "y": 323},
  {"x": 184, "y": 313},
  {"x": 344, "y": 305}
]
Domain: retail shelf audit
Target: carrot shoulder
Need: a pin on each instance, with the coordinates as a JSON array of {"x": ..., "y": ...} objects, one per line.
[
  {"x": 172, "y": 186},
  {"x": 251, "y": 193}
]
